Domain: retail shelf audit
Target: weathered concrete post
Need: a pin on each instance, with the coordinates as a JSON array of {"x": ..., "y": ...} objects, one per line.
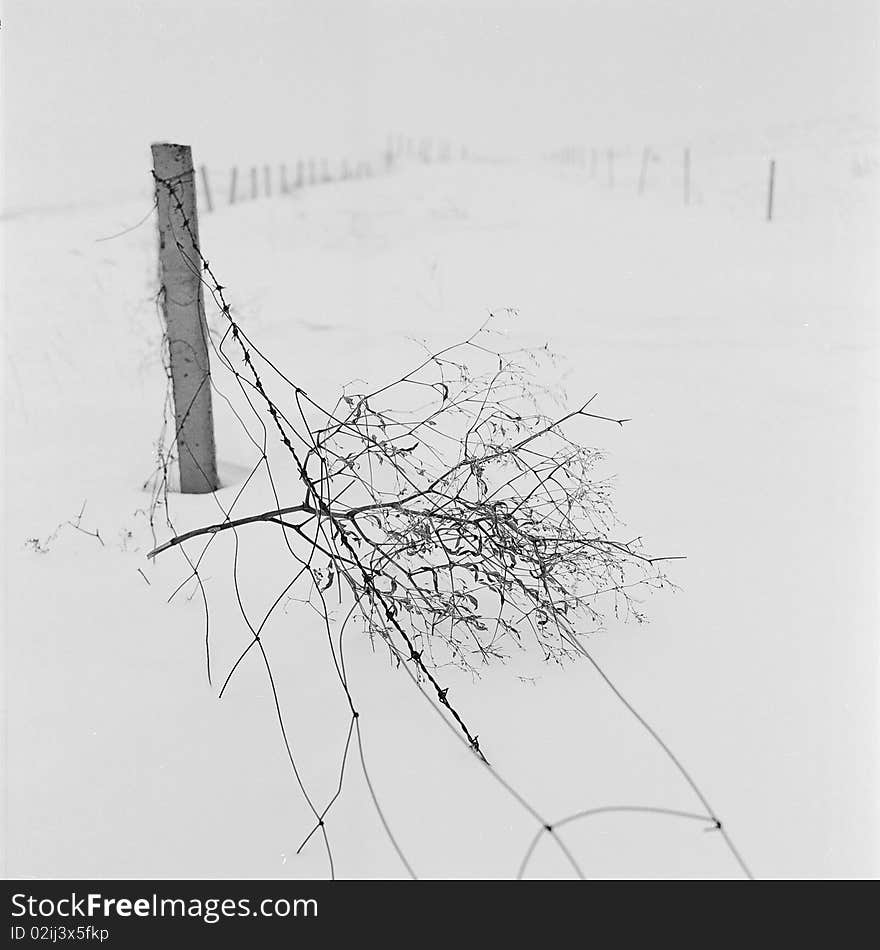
[{"x": 184, "y": 309}]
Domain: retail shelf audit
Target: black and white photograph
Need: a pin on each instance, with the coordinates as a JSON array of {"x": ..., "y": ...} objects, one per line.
[{"x": 440, "y": 444}]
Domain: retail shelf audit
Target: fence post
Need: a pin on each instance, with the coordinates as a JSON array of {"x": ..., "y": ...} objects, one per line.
[
  {"x": 255, "y": 187},
  {"x": 284, "y": 186},
  {"x": 184, "y": 311},
  {"x": 206, "y": 187},
  {"x": 267, "y": 181},
  {"x": 770, "y": 189},
  {"x": 643, "y": 175},
  {"x": 232, "y": 183},
  {"x": 687, "y": 176}
]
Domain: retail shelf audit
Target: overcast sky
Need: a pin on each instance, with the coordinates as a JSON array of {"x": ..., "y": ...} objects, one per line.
[{"x": 87, "y": 85}]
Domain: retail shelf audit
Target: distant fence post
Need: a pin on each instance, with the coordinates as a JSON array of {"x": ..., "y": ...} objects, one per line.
[
  {"x": 255, "y": 186},
  {"x": 206, "y": 187},
  {"x": 300, "y": 175},
  {"x": 232, "y": 184},
  {"x": 770, "y": 189},
  {"x": 184, "y": 311},
  {"x": 687, "y": 176},
  {"x": 267, "y": 181},
  {"x": 284, "y": 186},
  {"x": 643, "y": 174}
]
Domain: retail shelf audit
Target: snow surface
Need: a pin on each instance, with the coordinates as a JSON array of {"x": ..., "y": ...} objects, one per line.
[{"x": 745, "y": 354}]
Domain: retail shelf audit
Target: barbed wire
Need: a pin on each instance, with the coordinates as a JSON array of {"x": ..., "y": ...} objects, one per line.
[{"x": 454, "y": 529}]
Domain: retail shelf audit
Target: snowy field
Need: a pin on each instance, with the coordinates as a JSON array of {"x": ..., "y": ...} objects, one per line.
[{"x": 745, "y": 354}]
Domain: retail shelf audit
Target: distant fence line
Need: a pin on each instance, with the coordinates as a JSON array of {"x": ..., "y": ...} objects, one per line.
[
  {"x": 265, "y": 181},
  {"x": 753, "y": 178},
  {"x": 644, "y": 170},
  {"x": 577, "y": 156}
]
